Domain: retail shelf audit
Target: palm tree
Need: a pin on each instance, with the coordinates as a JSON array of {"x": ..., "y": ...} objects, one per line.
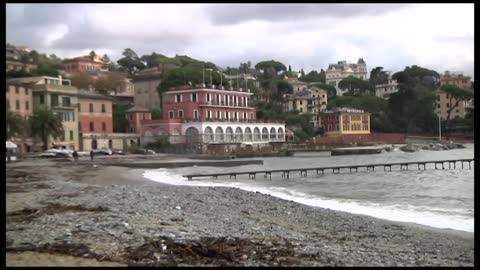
[
  {"x": 44, "y": 124},
  {"x": 15, "y": 124}
]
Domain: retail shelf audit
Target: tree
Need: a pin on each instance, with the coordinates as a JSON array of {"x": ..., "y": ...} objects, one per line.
[
  {"x": 106, "y": 84},
  {"x": 130, "y": 61},
  {"x": 313, "y": 76},
  {"x": 44, "y": 124},
  {"x": 92, "y": 54},
  {"x": 289, "y": 68},
  {"x": 120, "y": 122},
  {"x": 156, "y": 113},
  {"x": 378, "y": 76},
  {"x": 323, "y": 77},
  {"x": 82, "y": 80},
  {"x": 455, "y": 95},
  {"x": 418, "y": 75},
  {"x": 15, "y": 124},
  {"x": 270, "y": 68},
  {"x": 356, "y": 86}
]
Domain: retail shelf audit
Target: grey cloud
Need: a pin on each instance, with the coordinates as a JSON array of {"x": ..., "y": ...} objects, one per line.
[
  {"x": 232, "y": 14},
  {"x": 42, "y": 14}
]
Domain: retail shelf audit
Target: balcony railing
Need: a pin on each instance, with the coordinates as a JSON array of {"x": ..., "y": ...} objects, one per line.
[{"x": 68, "y": 106}]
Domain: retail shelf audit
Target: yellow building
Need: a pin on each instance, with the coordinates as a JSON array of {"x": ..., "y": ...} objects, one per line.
[
  {"x": 342, "y": 121},
  {"x": 443, "y": 105},
  {"x": 310, "y": 100}
]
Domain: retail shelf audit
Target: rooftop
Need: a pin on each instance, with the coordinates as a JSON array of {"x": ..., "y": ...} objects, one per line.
[
  {"x": 92, "y": 94},
  {"x": 137, "y": 108},
  {"x": 204, "y": 86},
  {"x": 343, "y": 109}
]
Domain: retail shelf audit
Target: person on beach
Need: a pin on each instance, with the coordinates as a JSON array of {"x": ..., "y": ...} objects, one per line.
[
  {"x": 75, "y": 156},
  {"x": 91, "y": 155}
]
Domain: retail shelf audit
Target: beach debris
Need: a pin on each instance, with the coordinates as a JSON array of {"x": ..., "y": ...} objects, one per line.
[
  {"x": 216, "y": 251},
  {"x": 178, "y": 207}
]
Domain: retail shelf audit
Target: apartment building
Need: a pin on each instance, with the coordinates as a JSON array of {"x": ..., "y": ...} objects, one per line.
[{"x": 337, "y": 72}]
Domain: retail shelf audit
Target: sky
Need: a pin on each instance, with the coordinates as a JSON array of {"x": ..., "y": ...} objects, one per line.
[{"x": 308, "y": 36}]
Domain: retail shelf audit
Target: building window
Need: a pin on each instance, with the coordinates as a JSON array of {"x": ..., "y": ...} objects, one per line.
[
  {"x": 71, "y": 135},
  {"x": 178, "y": 98},
  {"x": 91, "y": 107},
  {"x": 170, "y": 114},
  {"x": 17, "y": 91},
  {"x": 79, "y": 107},
  {"x": 219, "y": 115},
  {"x": 448, "y": 105},
  {"x": 251, "y": 115},
  {"x": 103, "y": 108},
  {"x": 209, "y": 97},
  {"x": 180, "y": 113},
  {"x": 209, "y": 114},
  {"x": 80, "y": 127},
  {"x": 104, "y": 126},
  {"x": 301, "y": 109},
  {"x": 218, "y": 99},
  {"x": 91, "y": 127},
  {"x": 194, "y": 97},
  {"x": 17, "y": 105},
  {"x": 236, "y": 115},
  {"x": 42, "y": 99},
  {"x": 195, "y": 114},
  {"x": 26, "y": 91},
  {"x": 227, "y": 115},
  {"x": 300, "y": 102},
  {"x": 27, "y": 106},
  {"x": 66, "y": 101},
  {"x": 244, "y": 115}
]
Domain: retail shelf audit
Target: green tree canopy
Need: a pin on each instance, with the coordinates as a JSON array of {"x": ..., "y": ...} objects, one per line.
[
  {"x": 270, "y": 68},
  {"x": 156, "y": 113},
  {"x": 378, "y": 76},
  {"x": 112, "y": 82},
  {"x": 81, "y": 80},
  {"x": 356, "y": 86},
  {"x": 44, "y": 124},
  {"x": 130, "y": 61},
  {"x": 16, "y": 125},
  {"x": 455, "y": 96}
]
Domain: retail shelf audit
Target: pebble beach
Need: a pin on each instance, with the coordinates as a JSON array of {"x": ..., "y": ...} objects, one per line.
[{"x": 65, "y": 214}]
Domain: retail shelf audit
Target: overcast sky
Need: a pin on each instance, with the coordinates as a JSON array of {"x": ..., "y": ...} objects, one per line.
[{"x": 308, "y": 36}]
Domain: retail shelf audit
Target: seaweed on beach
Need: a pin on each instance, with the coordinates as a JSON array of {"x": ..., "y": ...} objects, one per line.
[{"x": 217, "y": 251}]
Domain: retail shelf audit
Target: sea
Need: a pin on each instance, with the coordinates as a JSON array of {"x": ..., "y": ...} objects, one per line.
[{"x": 436, "y": 198}]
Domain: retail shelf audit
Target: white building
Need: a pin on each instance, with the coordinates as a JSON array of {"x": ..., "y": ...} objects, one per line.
[
  {"x": 337, "y": 72},
  {"x": 384, "y": 90}
]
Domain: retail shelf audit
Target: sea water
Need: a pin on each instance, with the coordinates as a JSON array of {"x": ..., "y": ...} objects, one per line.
[{"x": 436, "y": 198}]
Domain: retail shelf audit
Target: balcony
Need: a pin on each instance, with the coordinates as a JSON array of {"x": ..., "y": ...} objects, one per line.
[{"x": 64, "y": 106}]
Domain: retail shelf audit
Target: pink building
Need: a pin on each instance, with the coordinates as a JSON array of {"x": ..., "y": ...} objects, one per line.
[
  {"x": 206, "y": 104},
  {"x": 211, "y": 115}
]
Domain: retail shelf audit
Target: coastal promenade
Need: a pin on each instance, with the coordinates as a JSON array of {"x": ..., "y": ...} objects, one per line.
[{"x": 421, "y": 165}]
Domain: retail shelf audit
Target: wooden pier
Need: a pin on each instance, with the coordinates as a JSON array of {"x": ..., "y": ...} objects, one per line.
[{"x": 285, "y": 173}]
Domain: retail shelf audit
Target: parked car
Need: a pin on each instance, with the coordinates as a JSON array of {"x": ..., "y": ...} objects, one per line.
[
  {"x": 57, "y": 153},
  {"x": 102, "y": 151},
  {"x": 145, "y": 151},
  {"x": 118, "y": 152}
]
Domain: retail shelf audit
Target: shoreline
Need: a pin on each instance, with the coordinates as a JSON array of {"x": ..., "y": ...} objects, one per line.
[{"x": 153, "y": 210}]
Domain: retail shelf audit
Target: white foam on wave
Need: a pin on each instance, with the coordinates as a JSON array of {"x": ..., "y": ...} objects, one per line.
[{"x": 402, "y": 213}]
